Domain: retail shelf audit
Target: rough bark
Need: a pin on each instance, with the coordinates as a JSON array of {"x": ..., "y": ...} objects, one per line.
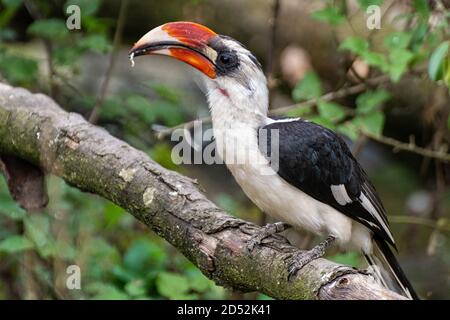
[{"x": 33, "y": 127}]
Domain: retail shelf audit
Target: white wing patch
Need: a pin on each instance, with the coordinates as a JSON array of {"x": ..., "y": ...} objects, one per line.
[
  {"x": 365, "y": 202},
  {"x": 271, "y": 121},
  {"x": 340, "y": 194}
]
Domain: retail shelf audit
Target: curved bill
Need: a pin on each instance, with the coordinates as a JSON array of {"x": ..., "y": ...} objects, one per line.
[{"x": 185, "y": 41}]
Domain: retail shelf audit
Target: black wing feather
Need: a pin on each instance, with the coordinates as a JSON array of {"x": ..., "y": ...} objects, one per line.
[{"x": 313, "y": 158}]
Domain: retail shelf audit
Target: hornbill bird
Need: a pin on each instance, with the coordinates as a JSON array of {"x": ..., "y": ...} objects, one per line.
[{"x": 316, "y": 184}]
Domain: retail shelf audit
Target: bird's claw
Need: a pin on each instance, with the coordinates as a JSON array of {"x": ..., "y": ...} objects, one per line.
[
  {"x": 300, "y": 260},
  {"x": 255, "y": 240},
  {"x": 267, "y": 230}
]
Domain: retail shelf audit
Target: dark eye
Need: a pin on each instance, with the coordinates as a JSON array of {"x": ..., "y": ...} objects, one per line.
[{"x": 227, "y": 60}]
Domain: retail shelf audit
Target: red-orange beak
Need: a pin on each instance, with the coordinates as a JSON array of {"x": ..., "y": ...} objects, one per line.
[{"x": 185, "y": 41}]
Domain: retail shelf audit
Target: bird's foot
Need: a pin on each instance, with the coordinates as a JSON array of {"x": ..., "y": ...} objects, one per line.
[
  {"x": 301, "y": 259},
  {"x": 268, "y": 230}
]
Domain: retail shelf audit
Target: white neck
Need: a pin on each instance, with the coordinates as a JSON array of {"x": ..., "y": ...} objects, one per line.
[
  {"x": 238, "y": 106},
  {"x": 236, "y": 114}
]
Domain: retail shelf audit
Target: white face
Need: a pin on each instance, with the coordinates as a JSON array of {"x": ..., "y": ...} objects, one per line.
[{"x": 241, "y": 79}]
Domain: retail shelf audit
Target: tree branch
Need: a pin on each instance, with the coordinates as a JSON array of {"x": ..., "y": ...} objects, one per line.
[
  {"x": 33, "y": 127},
  {"x": 410, "y": 147}
]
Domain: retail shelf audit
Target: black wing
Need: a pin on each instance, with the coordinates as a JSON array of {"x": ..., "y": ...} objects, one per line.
[{"x": 318, "y": 162}]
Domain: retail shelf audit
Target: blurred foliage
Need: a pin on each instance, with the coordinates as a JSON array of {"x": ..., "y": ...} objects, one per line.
[
  {"x": 401, "y": 52},
  {"x": 119, "y": 258}
]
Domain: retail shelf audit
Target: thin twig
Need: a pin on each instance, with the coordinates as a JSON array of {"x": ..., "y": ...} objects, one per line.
[
  {"x": 273, "y": 39},
  {"x": 333, "y": 95},
  {"x": 162, "y": 131},
  {"x": 36, "y": 14},
  {"x": 112, "y": 61},
  {"x": 410, "y": 147},
  {"x": 442, "y": 224}
]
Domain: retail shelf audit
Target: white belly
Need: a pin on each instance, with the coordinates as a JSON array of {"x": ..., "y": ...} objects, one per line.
[{"x": 286, "y": 203}]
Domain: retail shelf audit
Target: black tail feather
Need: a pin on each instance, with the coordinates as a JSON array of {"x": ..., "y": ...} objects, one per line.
[{"x": 391, "y": 274}]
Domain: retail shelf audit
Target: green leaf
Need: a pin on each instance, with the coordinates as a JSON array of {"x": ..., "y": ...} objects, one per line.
[
  {"x": 419, "y": 33},
  {"x": 168, "y": 112},
  {"x": 142, "y": 107},
  {"x": 104, "y": 291},
  {"x": 7, "y": 34},
  {"x": 422, "y": 7},
  {"x": 18, "y": 70},
  {"x": 301, "y": 111},
  {"x": 95, "y": 42},
  {"x": 162, "y": 153},
  {"x": 397, "y": 40},
  {"x": 349, "y": 129},
  {"x": 355, "y": 44},
  {"x": 375, "y": 59},
  {"x": 113, "y": 109},
  {"x": 323, "y": 121},
  {"x": 113, "y": 213},
  {"x": 143, "y": 255},
  {"x": 331, "y": 15},
  {"x": 38, "y": 230},
  {"x": 227, "y": 203},
  {"x": 9, "y": 208},
  {"x": 308, "y": 88},
  {"x": 165, "y": 92},
  {"x": 136, "y": 288},
  {"x": 67, "y": 55},
  {"x": 364, "y": 4},
  {"x": 7, "y": 13},
  {"x": 100, "y": 254},
  {"x": 96, "y": 25},
  {"x": 399, "y": 60},
  {"x": 331, "y": 110},
  {"x": 436, "y": 64},
  {"x": 448, "y": 122},
  {"x": 447, "y": 72},
  {"x": 198, "y": 281},
  {"x": 54, "y": 29},
  {"x": 372, "y": 122},
  {"x": 14, "y": 244},
  {"x": 171, "y": 285},
  {"x": 370, "y": 100}
]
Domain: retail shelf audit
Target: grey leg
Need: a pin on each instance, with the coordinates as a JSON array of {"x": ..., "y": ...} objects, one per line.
[
  {"x": 301, "y": 259},
  {"x": 267, "y": 230}
]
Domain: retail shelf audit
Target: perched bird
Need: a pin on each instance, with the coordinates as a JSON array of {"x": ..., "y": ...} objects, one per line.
[{"x": 303, "y": 175}]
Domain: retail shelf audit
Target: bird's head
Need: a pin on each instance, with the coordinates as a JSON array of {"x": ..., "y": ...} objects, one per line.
[{"x": 227, "y": 66}]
